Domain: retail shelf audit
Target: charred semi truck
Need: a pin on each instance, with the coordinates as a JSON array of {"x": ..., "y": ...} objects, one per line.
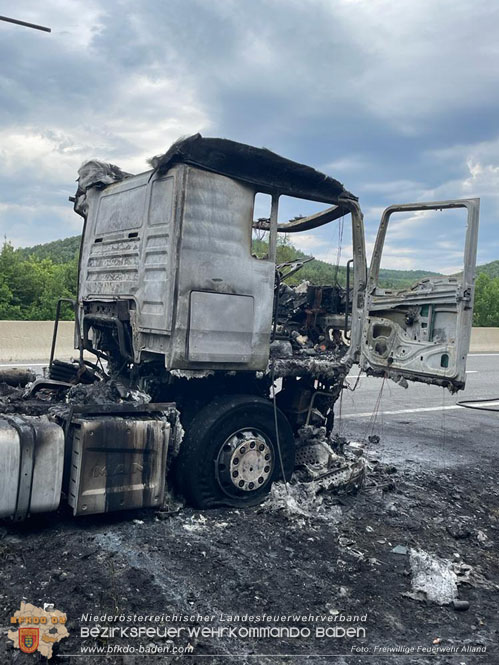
[{"x": 183, "y": 334}]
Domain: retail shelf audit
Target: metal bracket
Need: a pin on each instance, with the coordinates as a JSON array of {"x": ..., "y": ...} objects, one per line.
[{"x": 56, "y": 325}]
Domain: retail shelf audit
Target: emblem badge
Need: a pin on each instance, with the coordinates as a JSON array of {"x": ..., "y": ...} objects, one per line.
[{"x": 28, "y": 639}]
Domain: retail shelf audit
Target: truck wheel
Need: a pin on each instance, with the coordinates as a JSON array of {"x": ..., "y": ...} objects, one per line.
[{"x": 229, "y": 454}]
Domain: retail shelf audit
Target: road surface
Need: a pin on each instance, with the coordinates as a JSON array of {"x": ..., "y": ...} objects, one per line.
[{"x": 424, "y": 424}]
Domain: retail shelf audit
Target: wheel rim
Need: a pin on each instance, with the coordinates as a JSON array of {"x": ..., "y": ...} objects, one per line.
[{"x": 245, "y": 461}]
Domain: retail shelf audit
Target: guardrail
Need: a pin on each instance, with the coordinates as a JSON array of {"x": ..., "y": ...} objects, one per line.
[{"x": 23, "y": 341}]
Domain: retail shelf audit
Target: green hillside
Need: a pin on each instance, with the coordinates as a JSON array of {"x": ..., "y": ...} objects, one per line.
[
  {"x": 490, "y": 269},
  {"x": 399, "y": 279},
  {"x": 59, "y": 251}
]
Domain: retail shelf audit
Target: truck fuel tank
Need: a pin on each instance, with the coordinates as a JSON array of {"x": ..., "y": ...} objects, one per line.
[
  {"x": 118, "y": 461},
  {"x": 31, "y": 465}
]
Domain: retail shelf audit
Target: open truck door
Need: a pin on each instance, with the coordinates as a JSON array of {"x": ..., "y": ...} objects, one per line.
[{"x": 422, "y": 332}]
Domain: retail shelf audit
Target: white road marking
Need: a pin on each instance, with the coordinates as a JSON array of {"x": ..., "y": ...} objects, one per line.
[
  {"x": 356, "y": 376},
  {"x": 368, "y": 414},
  {"x": 483, "y": 354}
]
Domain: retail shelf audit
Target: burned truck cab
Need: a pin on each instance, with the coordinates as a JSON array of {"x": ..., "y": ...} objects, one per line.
[
  {"x": 167, "y": 269},
  {"x": 173, "y": 295}
]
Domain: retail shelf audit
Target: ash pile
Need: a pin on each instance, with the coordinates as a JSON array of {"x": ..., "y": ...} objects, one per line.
[
  {"x": 67, "y": 383},
  {"x": 325, "y": 466}
]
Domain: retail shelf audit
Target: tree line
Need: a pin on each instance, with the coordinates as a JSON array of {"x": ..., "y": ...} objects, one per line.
[{"x": 31, "y": 286}]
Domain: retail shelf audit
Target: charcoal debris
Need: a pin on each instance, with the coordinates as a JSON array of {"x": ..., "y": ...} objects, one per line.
[
  {"x": 458, "y": 530},
  {"x": 16, "y": 376}
]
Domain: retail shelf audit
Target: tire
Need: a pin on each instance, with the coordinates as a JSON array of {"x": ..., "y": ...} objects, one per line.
[{"x": 229, "y": 454}]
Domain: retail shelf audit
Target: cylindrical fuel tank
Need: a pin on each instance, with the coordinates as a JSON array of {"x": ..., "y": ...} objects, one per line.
[{"x": 31, "y": 465}]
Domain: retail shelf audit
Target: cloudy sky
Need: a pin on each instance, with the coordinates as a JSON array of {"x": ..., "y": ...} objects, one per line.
[{"x": 398, "y": 100}]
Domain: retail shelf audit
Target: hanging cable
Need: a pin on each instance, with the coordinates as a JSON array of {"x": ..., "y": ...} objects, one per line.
[
  {"x": 470, "y": 404},
  {"x": 374, "y": 415},
  {"x": 277, "y": 438},
  {"x": 339, "y": 250}
]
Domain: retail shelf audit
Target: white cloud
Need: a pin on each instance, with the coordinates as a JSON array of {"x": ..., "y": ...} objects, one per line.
[{"x": 306, "y": 242}]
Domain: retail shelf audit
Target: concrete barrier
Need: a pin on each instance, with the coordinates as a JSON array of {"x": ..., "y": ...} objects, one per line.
[
  {"x": 484, "y": 340},
  {"x": 22, "y": 341}
]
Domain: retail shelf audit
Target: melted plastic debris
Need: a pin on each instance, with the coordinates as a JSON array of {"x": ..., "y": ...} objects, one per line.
[
  {"x": 300, "y": 500},
  {"x": 320, "y": 471},
  {"x": 95, "y": 172},
  {"x": 192, "y": 373},
  {"x": 178, "y": 436},
  {"x": 139, "y": 396},
  {"x": 196, "y": 523},
  {"x": 433, "y": 578},
  {"x": 328, "y": 366},
  {"x": 103, "y": 392}
]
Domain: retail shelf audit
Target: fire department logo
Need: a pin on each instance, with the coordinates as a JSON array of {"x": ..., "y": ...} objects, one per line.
[
  {"x": 37, "y": 629},
  {"x": 29, "y": 639}
]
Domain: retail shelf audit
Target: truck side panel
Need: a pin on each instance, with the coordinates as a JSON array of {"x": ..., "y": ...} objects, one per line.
[{"x": 221, "y": 287}]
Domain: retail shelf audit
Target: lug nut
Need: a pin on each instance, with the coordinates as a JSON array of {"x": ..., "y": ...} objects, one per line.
[{"x": 235, "y": 474}]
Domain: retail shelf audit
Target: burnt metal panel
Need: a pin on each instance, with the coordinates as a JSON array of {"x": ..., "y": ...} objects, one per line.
[
  {"x": 422, "y": 333},
  {"x": 117, "y": 463},
  {"x": 215, "y": 256},
  {"x": 220, "y": 327},
  {"x": 129, "y": 253}
]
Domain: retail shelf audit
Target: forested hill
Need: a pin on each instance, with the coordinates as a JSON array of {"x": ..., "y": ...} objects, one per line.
[
  {"x": 59, "y": 251},
  {"x": 33, "y": 278},
  {"x": 490, "y": 269}
]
